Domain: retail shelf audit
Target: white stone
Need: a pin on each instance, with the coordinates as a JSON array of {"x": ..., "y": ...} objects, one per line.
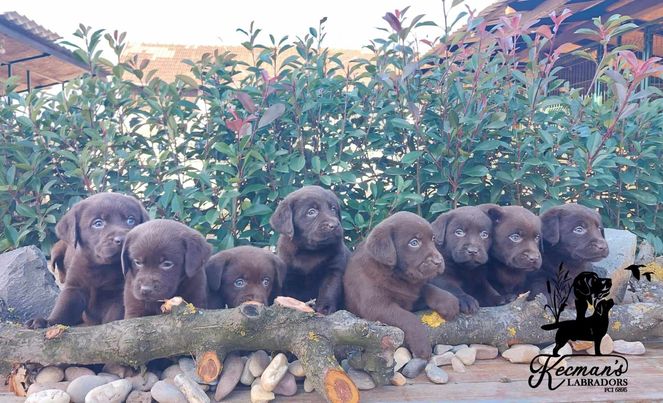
[
  {"x": 521, "y": 353},
  {"x": 629, "y": 347},
  {"x": 467, "y": 355},
  {"x": 48, "y": 396},
  {"x": 457, "y": 364},
  {"x": 607, "y": 346},
  {"x": 165, "y": 392},
  {"x": 72, "y": 373},
  {"x": 401, "y": 357},
  {"x": 114, "y": 392},
  {"x": 50, "y": 374},
  {"x": 436, "y": 374},
  {"x": 274, "y": 372},
  {"x": 442, "y": 359},
  {"x": 258, "y": 394},
  {"x": 190, "y": 389},
  {"x": 296, "y": 369},
  {"x": 308, "y": 386},
  {"x": 485, "y": 352},
  {"x": 442, "y": 348}
]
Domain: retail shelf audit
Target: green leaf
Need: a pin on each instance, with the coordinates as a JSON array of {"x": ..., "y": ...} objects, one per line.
[
  {"x": 411, "y": 157},
  {"x": 187, "y": 80},
  {"x": 297, "y": 163},
  {"x": 257, "y": 209}
]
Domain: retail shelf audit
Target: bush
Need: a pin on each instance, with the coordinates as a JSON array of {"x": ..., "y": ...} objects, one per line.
[{"x": 463, "y": 120}]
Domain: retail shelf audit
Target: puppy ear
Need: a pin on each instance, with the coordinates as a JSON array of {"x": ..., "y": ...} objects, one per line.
[
  {"x": 492, "y": 210},
  {"x": 67, "y": 228},
  {"x": 380, "y": 244},
  {"x": 124, "y": 256},
  {"x": 550, "y": 226},
  {"x": 197, "y": 253},
  {"x": 440, "y": 228},
  {"x": 281, "y": 220},
  {"x": 214, "y": 269},
  {"x": 280, "y": 270}
]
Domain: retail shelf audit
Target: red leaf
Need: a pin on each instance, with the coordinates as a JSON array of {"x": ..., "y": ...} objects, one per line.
[
  {"x": 246, "y": 101},
  {"x": 393, "y": 22},
  {"x": 544, "y": 31},
  {"x": 234, "y": 124}
]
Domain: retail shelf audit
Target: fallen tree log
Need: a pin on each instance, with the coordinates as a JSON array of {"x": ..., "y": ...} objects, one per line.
[
  {"x": 520, "y": 322},
  {"x": 312, "y": 338}
]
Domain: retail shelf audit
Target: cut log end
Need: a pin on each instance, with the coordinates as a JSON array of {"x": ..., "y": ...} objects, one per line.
[
  {"x": 208, "y": 366},
  {"x": 339, "y": 388}
]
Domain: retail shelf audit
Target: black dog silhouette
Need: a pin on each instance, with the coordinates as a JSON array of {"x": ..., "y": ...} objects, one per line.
[
  {"x": 592, "y": 328},
  {"x": 588, "y": 288}
]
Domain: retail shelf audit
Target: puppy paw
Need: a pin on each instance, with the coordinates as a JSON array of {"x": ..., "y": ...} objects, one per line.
[
  {"x": 447, "y": 305},
  {"x": 36, "y": 323},
  {"x": 325, "y": 307},
  {"x": 468, "y": 304},
  {"x": 417, "y": 339}
]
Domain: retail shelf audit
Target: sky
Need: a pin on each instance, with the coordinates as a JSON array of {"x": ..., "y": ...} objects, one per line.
[{"x": 350, "y": 25}]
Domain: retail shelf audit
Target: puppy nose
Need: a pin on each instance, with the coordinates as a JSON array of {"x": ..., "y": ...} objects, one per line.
[
  {"x": 472, "y": 250},
  {"x": 146, "y": 289},
  {"x": 331, "y": 224},
  {"x": 436, "y": 259},
  {"x": 118, "y": 240},
  {"x": 601, "y": 246},
  {"x": 532, "y": 257}
]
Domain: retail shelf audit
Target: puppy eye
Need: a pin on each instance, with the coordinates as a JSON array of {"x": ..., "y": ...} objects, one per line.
[
  {"x": 240, "y": 283},
  {"x": 138, "y": 263},
  {"x": 579, "y": 230},
  {"x": 333, "y": 208},
  {"x": 515, "y": 238},
  {"x": 131, "y": 221},
  {"x": 459, "y": 232},
  {"x": 265, "y": 282},
  {"x": 312, "y": 212},
  {"x": 166, "y": 265},
  {"x": 484, "y": 234},
  {"x": 414, "y": 243},
  {"x": 98, "y": 223}
]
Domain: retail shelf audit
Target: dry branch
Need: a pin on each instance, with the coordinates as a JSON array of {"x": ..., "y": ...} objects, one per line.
[
  {"x": 310, "y": 337},
  {"x": 521, "y": 320}
]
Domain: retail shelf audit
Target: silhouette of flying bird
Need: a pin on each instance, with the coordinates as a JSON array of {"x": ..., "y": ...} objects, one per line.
[{"x": 635, "y": 270}]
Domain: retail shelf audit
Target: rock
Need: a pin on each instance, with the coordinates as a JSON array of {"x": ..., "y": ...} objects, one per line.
[
  {"x": 164, "y": 392},
  {"x": 553, "y": 362},
  {"x": 607, "y": 346},
  {"x": 190, "y": 389},
  {"x": 27, "y": 287},
  {"x": 646, "y": 253},
  {"x": 114, "y": 392},
  {"x": 48, "y": 396},
  {"x": 258, "y": 394},
  {"x": 188, "y": 367},
  {"x": 457, "y": 364},
  {"x": 308, "y": 386},
  {"x": 629, "y": 347},
  {"x": 398, "y": 379},
  {"x": 521, "y": 353},
  {"x": 233, "y": 366},
  {"x": 38, "y": 387},
  {"x": 246, "y": 378},
  {"x": 458, "y": 347},
  {"x": 139, "y": 397},
  {"x": 50, "y": 374},
  {"x": 122, "y": 371},
  {"x": 436, "y": 374},
  {"x": 467, "y": 355},
  {"x": 108, "y": 377},
  {"x": 413, "y": 368},
  {"x": 258, "y": 361},
  {"x": 72, "y": 373},
  {"x": 287, "y": 386},
  {"x": 442, "y": 359},
  {"x": 79, "y": 387},
  {"x": 565, "y": 350},
  {"x": 362, "y": 380},
  {"x": 485, "y": 352},
  {"x": 144, "y": 383},
  {"x": 296, "y": 369},
  {"x": 171, "y": 372},
  {"x": 441, "y": 348},
  {"x": 345, "y": 364},
  {"x": 401, "y": 357},
  {"x": 581, "y": 345},
  {"x": 622, "y": 245},
  {"x": 274, "y": 372}
]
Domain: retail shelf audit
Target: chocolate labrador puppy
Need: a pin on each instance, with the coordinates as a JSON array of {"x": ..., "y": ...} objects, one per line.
[
  {"x": 390, "y": 271},
  {"x": 241, "y": 274},
  {"x": 463, "y": 236},
  {"x": 572, "y": 236},
  {"x": 311, "y": 245},
  {"x": 87, "y": 257},
  {"x": 515, "y": 252},
  {"x": 162, "y": 259}
]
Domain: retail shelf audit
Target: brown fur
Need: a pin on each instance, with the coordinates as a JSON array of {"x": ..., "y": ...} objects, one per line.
[
  {"x": 463, "y": 236},
  {"x": 562, "y": 244},
  {"x": 88, "y": 259},
  {"x": 511, "y": 261},
  {"x": 387, "y": 275},
  {"x": 242, "y": 274},
  {"x": 162, "y": 259},
  {"x": 312, "y": 246}
]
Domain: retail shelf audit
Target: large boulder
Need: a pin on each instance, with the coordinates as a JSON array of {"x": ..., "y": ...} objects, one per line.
[
  {"x": 622, "y": 246},
  {"x": 26, "y": 285}
]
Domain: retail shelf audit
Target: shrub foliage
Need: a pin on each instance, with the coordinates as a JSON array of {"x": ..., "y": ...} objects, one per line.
[{"x": 474, "y": 116}]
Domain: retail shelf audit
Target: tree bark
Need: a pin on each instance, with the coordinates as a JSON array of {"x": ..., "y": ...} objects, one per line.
[
  {"x": 521, "y": 321},
  {"x": 311, "y": 337}
]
